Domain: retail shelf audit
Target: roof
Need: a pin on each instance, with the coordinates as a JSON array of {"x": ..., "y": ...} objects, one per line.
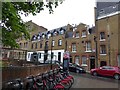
[
  {"x": 106, "y": 8},
  {"x": 52, "y": 32},
  {"x": 30, "y": 22}
]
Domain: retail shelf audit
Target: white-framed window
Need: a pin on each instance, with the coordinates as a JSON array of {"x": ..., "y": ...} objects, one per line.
[
  {"x": 53, "y": 43},
  {"x": 29, "y": 55},
  {"x": 38, "y": 37},
  {"x": 74, "y": 47},
  {"x": 43, "y": 36},
  {"x": 102, "y": 49},
  {"x": 84, "y": 61},
  {"x": 77, "y": 34},
  {"x": 77, "y": 60},
  {"x": 34, "y": 38},
  {"x": 55, "y": 33},
  {"x": 59, "y": 42},
  {"x": 102, "y": 36},
  {"x": 101, "y": 12},
  {"x": 62, "y": 32},
  {"x": 35, "y": 45},
  {"x": 49, "y": 35},
  {"x": 39, "y": 55},
  {"x": 41, "y": 45},
  {"x": 88, "y": 46},
  {"x": 84, "y": 33}
]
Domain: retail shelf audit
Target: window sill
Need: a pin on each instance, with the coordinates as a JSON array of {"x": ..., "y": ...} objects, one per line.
[
  {"x": 102, "y": 40},
  {"x": 84, "y": 65},
  {"x": 88, "y": 51},
  {"x": 77, "y": 37},
  {"x": 103, "y": 54},
  {"x": 84, "y": 36}
]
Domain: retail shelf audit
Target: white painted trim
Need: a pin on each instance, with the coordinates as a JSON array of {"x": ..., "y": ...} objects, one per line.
[
  {"x": 49, "y": 53},
  {"x": 108, "y": 15},
  {"x": 84, "y": 36},
  {"x": 102, "y": 39},
  {"x": 84, "y": 65},
  {"x": 103, "y": 54},
  {"x": 89, "y": 51}
]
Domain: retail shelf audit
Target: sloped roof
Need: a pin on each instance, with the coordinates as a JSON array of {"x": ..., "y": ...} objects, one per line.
[{"x": 104, "y": 8}]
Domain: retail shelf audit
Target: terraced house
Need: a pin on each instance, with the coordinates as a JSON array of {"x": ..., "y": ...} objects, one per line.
[
  {"x": 107, "y": 22},
  {"x": 77, "y": 40}
]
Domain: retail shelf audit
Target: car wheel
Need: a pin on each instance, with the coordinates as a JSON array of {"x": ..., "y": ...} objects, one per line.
[
  {"x": 77, "y": 71},
  {"x": 94, "y": 73},
  {"x": 117, "y": 76}
]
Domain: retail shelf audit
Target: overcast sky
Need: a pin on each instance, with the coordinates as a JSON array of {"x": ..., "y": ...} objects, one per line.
[{"x": 69, "y": 12}]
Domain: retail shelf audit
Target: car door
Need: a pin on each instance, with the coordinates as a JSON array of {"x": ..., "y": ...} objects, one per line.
[
  {"x": 110, "y": 71},
  {"x": 103, "y": 71}
]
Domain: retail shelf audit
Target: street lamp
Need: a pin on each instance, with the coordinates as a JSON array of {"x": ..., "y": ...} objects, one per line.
[
  {"x": 108, "y": 30},
  {"x": 109, "y": 49},
  {"x": 96, "y": 54},
  {"x": 51, "y": 50}
]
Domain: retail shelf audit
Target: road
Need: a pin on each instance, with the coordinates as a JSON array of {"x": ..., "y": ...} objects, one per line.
[{"x": 87, "y": 81}]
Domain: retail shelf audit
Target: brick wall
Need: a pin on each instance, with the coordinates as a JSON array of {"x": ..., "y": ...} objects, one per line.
[{"x": 10, "y": 73}]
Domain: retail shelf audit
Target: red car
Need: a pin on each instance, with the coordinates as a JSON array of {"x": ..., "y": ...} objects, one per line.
[{"x": 107, "y": 71}]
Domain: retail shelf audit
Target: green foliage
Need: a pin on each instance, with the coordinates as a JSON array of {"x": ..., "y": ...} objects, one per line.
[{"x": 13, "y": 26}]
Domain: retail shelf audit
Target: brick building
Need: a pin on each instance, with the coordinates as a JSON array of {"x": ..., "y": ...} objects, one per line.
[
  {"x": 107, "y": 22},
  {"x": 89, "y": 47},
  {"x": 77, "y": 40}
]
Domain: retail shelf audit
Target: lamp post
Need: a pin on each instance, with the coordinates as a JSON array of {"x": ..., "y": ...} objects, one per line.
[
  {"x": 109, "y": 50},
  {"x": 108, "y": 30},
  {"x": 96, "y": 54},
  {"x": 65, "y": 45},
  {"x": 51, "y": 51}
]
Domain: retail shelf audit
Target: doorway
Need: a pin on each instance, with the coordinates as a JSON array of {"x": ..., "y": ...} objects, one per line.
[
  {"x": 59, "y": 56},
  {"x": 70, "y": 59},
  {"x": 103, "y": 63},
  {"x": 92, "y": 62}
]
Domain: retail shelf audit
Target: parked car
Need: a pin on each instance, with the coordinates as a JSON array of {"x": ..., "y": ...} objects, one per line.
[
  {"x": 107, "y": 71},
  {"x": 76, "y": 68}
]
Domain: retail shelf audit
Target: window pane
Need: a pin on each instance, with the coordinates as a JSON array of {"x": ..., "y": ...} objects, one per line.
[
  {"x": 62, "y": 32},
  {"x": 88, "y": 46},
  {"x": 39, "y": 55},
  {"x": 36, "y": 46},
  {"x": 73, "y": 47},
  {"x": 102, "y": 35},
  {"x": 103, "y": 49},
  {"x": 83, "y": 33},
  {"x": 53, "y": 43},
  {"x": 40, "y": 45},
  {"x": 77, "y": 60},
  {"x": 84, "y": 60},
  {"x": 59, "y": 42},
  {"x": 77, "y": 34}
]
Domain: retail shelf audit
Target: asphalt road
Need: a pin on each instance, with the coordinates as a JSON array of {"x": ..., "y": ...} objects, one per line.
[{"x": 87, "y": 81}]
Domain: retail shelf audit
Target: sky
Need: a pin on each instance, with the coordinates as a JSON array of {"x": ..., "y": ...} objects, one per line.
[{"x": 69, "y": 12}]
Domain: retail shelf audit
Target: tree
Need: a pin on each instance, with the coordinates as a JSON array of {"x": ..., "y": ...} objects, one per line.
[{"x": 13, "y": 26}]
